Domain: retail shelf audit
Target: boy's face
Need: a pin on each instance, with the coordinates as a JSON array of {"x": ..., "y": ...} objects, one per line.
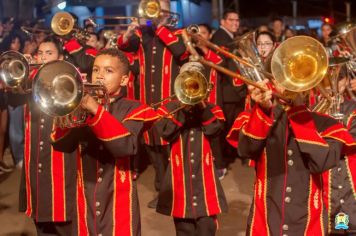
[
  {"x": 47, "y": 52},
  {"x": 107, "y": 70}
]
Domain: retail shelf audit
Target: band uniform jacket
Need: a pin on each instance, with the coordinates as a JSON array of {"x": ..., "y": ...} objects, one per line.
[
  {"x": 339, "y": 182},
  {"x": 160, "y": 52},
  {"x": 106, "y": 194},
  {"x": 82, "y": 56},
  {"x": 190, "y": 188},
  {"x": 48, "y": 178},
  {"x": 291, "y": 150},
  {"x": 231, "y": 90}
]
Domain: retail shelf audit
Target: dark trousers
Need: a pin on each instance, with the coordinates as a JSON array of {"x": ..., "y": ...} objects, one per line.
[
  {"x": 54, "y": 228},
  {"x": 203, "y": 226},
  {"x": 229, "y": 153},
  {"x": 159, "y": 158}
]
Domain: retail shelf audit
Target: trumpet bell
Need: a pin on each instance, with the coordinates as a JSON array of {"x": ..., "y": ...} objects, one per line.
[
  {"x": 58, "y": 88},
  {"x": 191, "y": 86},
  {"x": 62, "y": 23},
  {"x": 14, "y": 69},
  {"x": 299, "y": 63},
  {"x": 149, "y": 9}
]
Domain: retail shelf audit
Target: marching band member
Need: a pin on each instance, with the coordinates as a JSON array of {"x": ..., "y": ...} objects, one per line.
[
  {"x": 339, "y": 182},
  {"x": 160, "y": 50},
  {"x": 47, "y": 189},
  {"x": 291, "y": 148},
  {"x": 106, "y": 195},
  {"x": 191, "y": 192}
]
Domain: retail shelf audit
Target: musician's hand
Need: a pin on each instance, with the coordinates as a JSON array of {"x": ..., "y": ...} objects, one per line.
[
  {"x": 89, "y": 104},
  {"x": 130, "y": 30},
  {"x": 163, "y": 20},
  {"x": 263, "y": 98},
  {"x": 202, "y": 105},
  {"x": 353, "y": 85}
]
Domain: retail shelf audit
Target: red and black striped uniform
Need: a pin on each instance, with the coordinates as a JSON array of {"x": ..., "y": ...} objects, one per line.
[
  {"x": 160, "y": 53},
  {"x": 339, "y": 182},
  {"x": 191, "y": 188},
  {"x": 291, "y": 150},
  {"x": 48, "y": 180},
  {"x": 82, "y": 56},
  {"x": 49, "y": 176},
  {"x": 106, "y": 195}
]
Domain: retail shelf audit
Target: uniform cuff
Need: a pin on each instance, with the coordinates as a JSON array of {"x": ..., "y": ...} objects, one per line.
[
  {"x": 105, "y": 126},
  {"x": 166, "y": 36},
  {"x": 72, "y": 46},
  {"x": 258, "y": 125}
]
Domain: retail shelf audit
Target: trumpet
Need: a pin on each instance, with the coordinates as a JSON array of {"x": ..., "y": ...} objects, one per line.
[
  {"x": 58, "y": 90},
  {"x": 14, "y": 71}
]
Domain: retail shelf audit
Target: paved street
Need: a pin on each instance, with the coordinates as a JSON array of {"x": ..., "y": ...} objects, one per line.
[{"x": 237, "y": 185}]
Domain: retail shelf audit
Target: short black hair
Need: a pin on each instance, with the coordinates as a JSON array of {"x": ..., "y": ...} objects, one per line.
[
  {"x": 206, "y": 27},
  {"x": 119, "y": 55},
  {"x": 227, "y": 12},
  {"x": 55, "y": 40},
  {"x": 277, "y": 19},
  {"x": 269, "y": 34}
]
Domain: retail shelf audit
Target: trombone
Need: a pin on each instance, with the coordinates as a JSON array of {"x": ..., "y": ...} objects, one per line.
[
  {"x": 123, "y": 21},
  {"x": 14, "y": 71},
  {"x": 152, "y": 10},
  {"x": 298, "y": 64},
  {"x": 63, "y": 23}
]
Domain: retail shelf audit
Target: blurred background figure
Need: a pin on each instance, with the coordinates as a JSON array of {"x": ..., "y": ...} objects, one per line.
[
  {"x": 13, "y": 41},
  {"x": 278, "y": 29},
  {"x": 288, "y": 33},
  {"x": 326, "y": 30}
]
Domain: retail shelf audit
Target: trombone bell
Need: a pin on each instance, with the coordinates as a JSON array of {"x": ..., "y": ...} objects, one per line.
[
  {"x": 299, "y": 63},
  {"x": 62, "y": 23},
  {"x": 191, "y": 86},
  {"x": 150, "y": 9}
]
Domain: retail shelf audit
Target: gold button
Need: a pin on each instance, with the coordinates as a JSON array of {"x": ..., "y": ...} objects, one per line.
[
  {"x": 285, "y": 227},
  {"x": 100, "y": 180},
  {"x": 97, "y": 213},
  {"x": 288, "y": 189},
  {"x": 287, "y": 199},
  {"x": 97, "y": 204}
]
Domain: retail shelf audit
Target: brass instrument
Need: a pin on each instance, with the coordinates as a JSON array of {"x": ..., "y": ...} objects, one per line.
[
  {"x": 63, "y": 24},
  {"x": 152, "y": 10},
  {"x": 330, "y": 85},
  {"x": 14, "y": 71},
  {"x": 196, "y": 57},
  {"x": 190, "y": 86},
  {"x": 246, "y": 47},
  {"x": 344, "y": 43},
  {"x": 298, "y": 64},
  {"x": 58, "y": 90},
  {"x": 33, "y": 31},
  {"x": 122, "y": 21}
]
